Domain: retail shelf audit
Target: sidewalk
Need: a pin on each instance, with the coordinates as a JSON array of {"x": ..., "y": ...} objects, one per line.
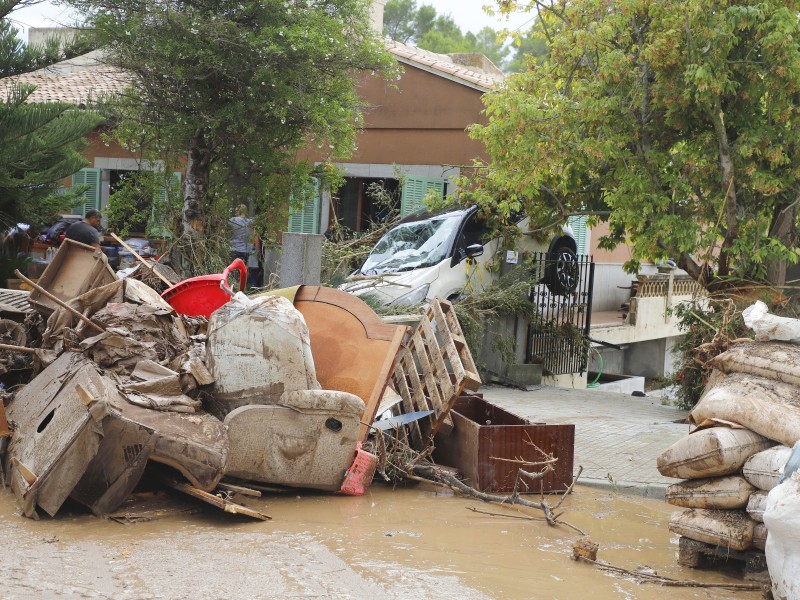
[{"x": 617, "y": 436}]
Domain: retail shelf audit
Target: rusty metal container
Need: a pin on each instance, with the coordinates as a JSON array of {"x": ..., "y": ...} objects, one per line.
[{"x": 487, "y": 444}]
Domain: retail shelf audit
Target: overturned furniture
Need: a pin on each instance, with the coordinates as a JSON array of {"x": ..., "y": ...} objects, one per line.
[
  {"x": 76, "y": 435},
  {"x": 353, "y": 349},
  {"x": 74, "y": 270},
  {"x": 284, "y": 428}
]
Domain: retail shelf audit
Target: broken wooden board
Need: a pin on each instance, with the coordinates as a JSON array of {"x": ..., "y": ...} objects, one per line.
[
  {"x": 214, "y": 500},
  {"x": 432, "y": 370}
]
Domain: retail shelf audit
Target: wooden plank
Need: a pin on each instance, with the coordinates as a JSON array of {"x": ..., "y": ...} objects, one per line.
[
  {"x": 440, "y": 323},
  {"x": 401, "y": 386},
  {"x": 437, "y": 358},
  {"x": 221, "y": 503},
  {"x": 473, "y": 379},
  {"x": 434, "y": 392}
]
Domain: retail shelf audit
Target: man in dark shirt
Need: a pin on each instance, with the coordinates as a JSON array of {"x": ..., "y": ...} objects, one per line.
[{"x": 86, "y": 231}]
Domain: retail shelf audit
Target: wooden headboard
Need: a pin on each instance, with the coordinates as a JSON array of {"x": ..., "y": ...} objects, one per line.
[{"x": 353, "y": 349}]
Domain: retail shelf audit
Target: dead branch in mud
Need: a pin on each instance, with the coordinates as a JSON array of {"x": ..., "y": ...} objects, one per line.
[
  {"x": 643, "y": 577},
  {"x": 432, "y": 472},
  {"x": 397, "y": 460},
  {"x": 495, "y": 514}
]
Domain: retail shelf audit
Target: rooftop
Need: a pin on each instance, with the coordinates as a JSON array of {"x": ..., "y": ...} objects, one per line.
[{"x": 85, "y": 78}]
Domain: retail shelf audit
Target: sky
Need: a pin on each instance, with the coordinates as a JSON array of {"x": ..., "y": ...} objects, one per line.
[{"x": 468, "y": 14}]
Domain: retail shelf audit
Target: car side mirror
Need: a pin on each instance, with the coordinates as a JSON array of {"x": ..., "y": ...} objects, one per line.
[{"x": 474, "y": 250}]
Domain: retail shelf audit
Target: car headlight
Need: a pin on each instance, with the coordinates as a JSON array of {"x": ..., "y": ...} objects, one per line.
[{"x": 415, "y": 296}]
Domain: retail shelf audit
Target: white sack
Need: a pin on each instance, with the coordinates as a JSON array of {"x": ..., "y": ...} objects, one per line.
[
  {"x": 762, "y": 405},
  {"x": 765, "y": 469},
  {"x": 782, "y": 518},
  {"x": 756, "y": 505},
  {"x": 771, "y": 327},
  {"x": 725, "y": 528},
  {"x": 710, "y": 453},
  {"x": 725, "y": 493},
  {"x": 779, "y": 361}
]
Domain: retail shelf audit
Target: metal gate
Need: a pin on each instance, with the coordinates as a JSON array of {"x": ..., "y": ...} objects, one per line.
[{"x": 558, "y": 338}]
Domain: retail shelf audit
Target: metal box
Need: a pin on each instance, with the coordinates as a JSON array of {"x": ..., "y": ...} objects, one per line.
[{"x": 488, "y": 444}]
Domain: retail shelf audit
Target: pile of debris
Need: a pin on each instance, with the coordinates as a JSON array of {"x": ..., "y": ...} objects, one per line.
[
  {"x": 209, "y": 391},
  {"x": 738, "y": 462}
]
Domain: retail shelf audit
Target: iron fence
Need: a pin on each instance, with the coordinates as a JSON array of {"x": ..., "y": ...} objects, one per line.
[{"x": 558, "y": 338}]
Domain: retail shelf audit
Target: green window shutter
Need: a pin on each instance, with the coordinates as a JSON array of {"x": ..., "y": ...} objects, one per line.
[
  {"x": 305, "y": 218},
  {"x": 156, "y": 228},
  {"x": 581, "y": 232},
  {"x": 90, "y": 177},
  {"x": 414, "y": 191}
]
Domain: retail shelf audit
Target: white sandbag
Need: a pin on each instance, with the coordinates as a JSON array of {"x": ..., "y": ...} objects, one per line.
[
  {"x": 710, "y": 453},
  {"x": 770, "y": 327},
  {"x": 773, "y": 360},
  {"x": 760, "y": 536},
  {"x": 726, "y": 528},
  {"x": 782, "y": 518},
  {"x": 756, "y": 505},
  {"x": 716, "y": 492},
  {"x": 765, "y": 406},
  {"x": 257, "y": 350},
  {"x": 764, "y": 469}
]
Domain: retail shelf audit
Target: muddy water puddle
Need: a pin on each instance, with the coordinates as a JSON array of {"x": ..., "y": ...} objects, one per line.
[{"x": 404, "y": 543}]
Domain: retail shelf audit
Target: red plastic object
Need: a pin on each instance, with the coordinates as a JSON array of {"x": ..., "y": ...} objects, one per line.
[
  {"x": 200, "y": 296},
  {"x": 359, "y": 476}
]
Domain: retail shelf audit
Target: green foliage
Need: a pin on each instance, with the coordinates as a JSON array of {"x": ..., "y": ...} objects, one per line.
[
  {"x": 708, "y": 332},
  {"x": 239, "y": 88},
  {"x": 39, "y": 143},
  {"x": 680, "y": 120},
  {"x": 422, "y": 26}
]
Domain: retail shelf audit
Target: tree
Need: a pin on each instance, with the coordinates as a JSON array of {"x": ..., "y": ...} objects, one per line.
[
  {"x": 681, "y": 119},
  {"x": 529, "y": 45},
  {"x": 39, "y": 143},
  {"x": 240, "y": 88},
  {"x": 405, "y": 22}
]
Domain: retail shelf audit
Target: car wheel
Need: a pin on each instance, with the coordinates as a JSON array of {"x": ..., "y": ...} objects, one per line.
[{"x": 561, "y": 273}]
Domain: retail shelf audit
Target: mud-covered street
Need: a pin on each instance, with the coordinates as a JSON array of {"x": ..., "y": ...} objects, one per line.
[{"x": 404, "y": 543}]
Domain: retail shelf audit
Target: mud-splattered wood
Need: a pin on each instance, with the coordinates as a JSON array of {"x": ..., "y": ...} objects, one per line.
[{"x": 432, "y": 370}]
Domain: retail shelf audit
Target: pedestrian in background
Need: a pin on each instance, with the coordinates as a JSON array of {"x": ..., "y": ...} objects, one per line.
[
  {"x": 86, "y": 231},
  {"x": 244, "y": 241}
]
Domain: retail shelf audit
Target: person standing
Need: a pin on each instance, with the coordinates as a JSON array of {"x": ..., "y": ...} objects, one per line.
[
  {"x": 243, "y": 239},
  {"x": 86, "y": 231}
]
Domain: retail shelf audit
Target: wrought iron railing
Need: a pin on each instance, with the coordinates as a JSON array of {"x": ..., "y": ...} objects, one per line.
[{"x": 563, "y": 296}]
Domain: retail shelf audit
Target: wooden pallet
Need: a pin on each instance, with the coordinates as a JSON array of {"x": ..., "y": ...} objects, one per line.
[
  {"x": 694, "y": 554},
  {"x": 432, "y": 369}
]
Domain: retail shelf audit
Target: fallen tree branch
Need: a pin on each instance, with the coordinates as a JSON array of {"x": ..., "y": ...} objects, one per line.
[
  {"x": 669, "y": 582},
  {"x": 432, "y": 472}
]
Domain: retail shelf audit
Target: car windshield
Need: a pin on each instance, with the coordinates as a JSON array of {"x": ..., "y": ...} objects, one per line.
[{"x": 413, "y": 245}]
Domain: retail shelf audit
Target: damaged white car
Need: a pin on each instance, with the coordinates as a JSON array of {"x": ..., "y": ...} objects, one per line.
[{"x": 429, "y": 255}]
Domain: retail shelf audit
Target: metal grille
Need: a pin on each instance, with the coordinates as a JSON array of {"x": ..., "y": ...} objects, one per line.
[{"x": 557, "y": 340}]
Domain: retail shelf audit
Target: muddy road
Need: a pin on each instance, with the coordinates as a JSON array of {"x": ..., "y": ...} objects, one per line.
[{"x": 408, "y": 543}]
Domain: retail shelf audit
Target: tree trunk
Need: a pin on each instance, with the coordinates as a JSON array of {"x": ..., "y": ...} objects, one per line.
[
  {"x": 729, "y": 189},
  {"x": 198, "y": 175},
  {"x": 784, "y": 230}
]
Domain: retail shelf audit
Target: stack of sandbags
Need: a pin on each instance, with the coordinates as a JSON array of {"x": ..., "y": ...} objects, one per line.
[
  {"x": 715, "y": 491},
  {"x": 755, "y": 390}
]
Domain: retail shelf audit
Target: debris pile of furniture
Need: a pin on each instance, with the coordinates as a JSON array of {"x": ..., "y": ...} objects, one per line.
[{"x": 210, "y": 392}]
